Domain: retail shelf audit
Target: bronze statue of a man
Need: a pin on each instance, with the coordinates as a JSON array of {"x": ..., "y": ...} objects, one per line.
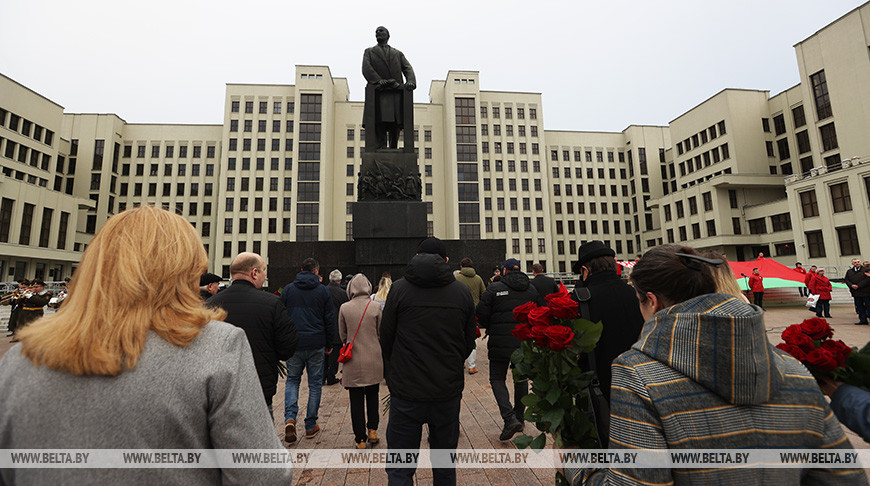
[{"x": 383, "y": 67}]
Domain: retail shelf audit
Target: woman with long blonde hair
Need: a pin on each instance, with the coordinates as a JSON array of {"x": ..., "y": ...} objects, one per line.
[
  {"x": 133, "y": 360},
  {"x": 383, "y": 290}
]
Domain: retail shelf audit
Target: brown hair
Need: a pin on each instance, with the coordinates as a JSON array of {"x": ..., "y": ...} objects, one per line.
[
  {"x": 139, "y": 273},
  {"x": 466, "y": 262},
  {"x": 673, "y": 279},
  {"x": 724, "y": 277},
  {"x": 600, "y": 264}
]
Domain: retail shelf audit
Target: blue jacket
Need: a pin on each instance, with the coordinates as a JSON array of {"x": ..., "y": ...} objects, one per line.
[
  {"x": 851, "y": 405},
  {"x": 310, "y": 307}
]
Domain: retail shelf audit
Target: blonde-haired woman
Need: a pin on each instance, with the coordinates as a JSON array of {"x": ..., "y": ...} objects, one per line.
[
  {"x": 359, "y": 321},
  {"x": 383, "y": 290},
  {"x": 134, "y": 361}
]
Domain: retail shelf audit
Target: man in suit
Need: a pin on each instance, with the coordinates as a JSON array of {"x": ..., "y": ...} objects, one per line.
[{"x": 383, "y": 67}]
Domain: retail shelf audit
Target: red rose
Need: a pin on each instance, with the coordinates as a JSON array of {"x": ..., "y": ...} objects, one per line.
[
  {"x": 559, "y": 293},
  {"x": 563, "y": 307},
  {"x": 802, "y": 341},
  {"x": 793, "y": 350},
  {"x": 822, "y": 359},
  {"x": 791, "y": 331},
  {"x": 521, "y": 331},
  {"x": 559, "y": 337},
  {"x": 837, "y": 348},
  {"x": 538, "y": 334},
  {"x": 540, "y": 316},
  {"x": 817, "y": 328},
  {"x": 521, "y": 313}
]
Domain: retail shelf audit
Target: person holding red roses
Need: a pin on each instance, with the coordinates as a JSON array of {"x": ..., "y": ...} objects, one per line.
[
  {"x": 609, "y": 300},
  {"x": 703, "y": 375},
  {"x": 499, "y": 305}
]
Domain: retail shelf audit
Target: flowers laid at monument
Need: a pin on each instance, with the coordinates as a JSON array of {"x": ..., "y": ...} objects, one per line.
[
  {"x": 811, "y": 342},
  {"x": 553, "y": 339}
]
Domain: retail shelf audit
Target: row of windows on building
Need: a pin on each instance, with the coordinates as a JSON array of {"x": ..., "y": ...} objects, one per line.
[
  {"x": 169, "y": 150},
  {"x": 192, "y": 189},
  {"x": 179, "y": 169},
  {"x": 574, "y": 244},
  {"x": 841, "y": 199},
  {"x": 578, "y": 155},
  {"x": 26, "y": 155},
  {"x": 508, "y": 130},
  {"x": 706, "y": 159},
  {"x": 595, "y": 227},
  {"x": 514, "y": 224},
  {"x": 25, "y": 233},
  {"x": 578, "y": 189},
  {"x": 263, "y": 107},
  {"x": 23, "y": 176},
  {"x": 508, "y": 112},
  {"x": 590, "y": 173},
  {"x": 711, "y": 133},
  {"x": 22, "y": 125},
  {"x": 594, "y": 208}
]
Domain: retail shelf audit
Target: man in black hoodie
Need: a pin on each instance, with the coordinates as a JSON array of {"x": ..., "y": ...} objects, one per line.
[
  {"x": 427, "y": 331},
  {"x": 495, "y": 313}
]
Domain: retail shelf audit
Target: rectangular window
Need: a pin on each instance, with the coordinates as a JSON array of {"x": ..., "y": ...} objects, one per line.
[
  {"x": 820, "y": 94},
  {"x": 848, "y": 237},
  {"x": 840, "y": 197},
  {"x": 799, "y": 117},
  {"x": 26, "y": 224},
  {"x": 735, "y": 226},
  {"x": 781, "y": 222},
  {"x": 815, "y": 244},
  {"x": 782, "y": 145},
  {"x": 45, "y": 229},
  {"x": 62, "y": 230},
  {"x": 779, "y": 124},
  {"x": 809, "y": 204},
  {"x": 829, "y": 137},
  {"x": 803, "y": 141}
]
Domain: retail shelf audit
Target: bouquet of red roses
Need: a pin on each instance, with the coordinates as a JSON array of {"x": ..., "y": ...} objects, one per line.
[
  {"x": 811, "y": 343},
  {"x": 553, "y": 338}
]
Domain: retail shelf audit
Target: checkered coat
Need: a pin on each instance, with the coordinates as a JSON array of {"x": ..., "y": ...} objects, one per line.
[{"x": 703, "y": 375}]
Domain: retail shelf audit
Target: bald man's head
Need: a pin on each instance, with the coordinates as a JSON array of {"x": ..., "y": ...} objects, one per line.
[{"x": 249, "y": 266}]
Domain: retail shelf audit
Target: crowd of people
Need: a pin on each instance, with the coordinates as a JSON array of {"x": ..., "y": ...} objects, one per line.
[{"x": 106, "y": 360}]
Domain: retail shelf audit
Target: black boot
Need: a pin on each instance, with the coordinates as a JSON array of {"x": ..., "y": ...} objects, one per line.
[{"x": 511, "y": 427}]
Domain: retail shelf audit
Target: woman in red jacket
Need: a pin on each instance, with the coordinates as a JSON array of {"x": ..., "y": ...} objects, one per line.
[
  {"x": 822, "y": 286},
  {"x": 757, "y": 288}
]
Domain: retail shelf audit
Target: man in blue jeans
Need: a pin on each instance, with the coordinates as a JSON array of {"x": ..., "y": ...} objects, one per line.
[{"x": 310, "y": 307}]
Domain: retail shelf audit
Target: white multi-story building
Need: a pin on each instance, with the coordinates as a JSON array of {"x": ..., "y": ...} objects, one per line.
[{"x": 742, "y": 172}]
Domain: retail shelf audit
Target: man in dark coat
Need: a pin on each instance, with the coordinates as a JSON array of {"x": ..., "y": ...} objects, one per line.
[
  {"x": 32, "y": 306},
  {"x": 427, "y": 331},
  {"x": 859, "y": 286},
  {"x": 309, "y": 304},
  {"x": 545, "y": 285},
  {"x": 15, "y": 306},
  {"x": 495, "y": 313},
  {"x": 261, "y": 315},
  {"x": 383, "y": 67},
  {"x": 339, "y": 296},
  {"x": 609, "y": 300},
  {"x": 209, "y": 284}
]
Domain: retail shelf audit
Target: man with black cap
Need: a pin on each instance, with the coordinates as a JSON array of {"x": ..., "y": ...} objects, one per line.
[
  {"x": 604, "y": 297},
  {"x": 209, "y": 284},
  {"x": 495, "y": 313},
  {"x": 427, "y": 331}
]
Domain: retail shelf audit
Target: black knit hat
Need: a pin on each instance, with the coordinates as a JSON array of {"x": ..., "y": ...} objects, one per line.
[
  {"x": 589, "y": 250},
  {"x": 208, "y": 278},
  {"x": 433, "y": 245}
]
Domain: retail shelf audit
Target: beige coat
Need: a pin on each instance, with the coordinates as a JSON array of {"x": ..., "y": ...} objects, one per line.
[{"x": 366, "y": 367}]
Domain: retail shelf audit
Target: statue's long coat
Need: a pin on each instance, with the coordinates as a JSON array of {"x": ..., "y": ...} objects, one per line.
[{"x": 385, "y": 62}]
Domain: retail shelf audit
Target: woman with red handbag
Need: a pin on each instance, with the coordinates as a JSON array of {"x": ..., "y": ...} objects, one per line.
[{"x": 363, "y": 367}]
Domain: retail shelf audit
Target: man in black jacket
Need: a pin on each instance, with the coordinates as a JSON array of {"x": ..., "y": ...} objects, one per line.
[
  {"x": 427, "y": 331},
  {"x": 339, "y": 296},
  {"x": 495, "y": 313},
  {"x": 545, "y": 285},
  {"x": 859, "y": 286},
  {"x": 609, "y": 300},
  {"x": 261, "y": 315}
]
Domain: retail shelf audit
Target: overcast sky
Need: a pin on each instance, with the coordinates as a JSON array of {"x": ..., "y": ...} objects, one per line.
[{"x": 600, "y": 65}]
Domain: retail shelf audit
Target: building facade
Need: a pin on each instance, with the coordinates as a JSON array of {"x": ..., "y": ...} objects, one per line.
[{"x": 742, "y": 173}]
